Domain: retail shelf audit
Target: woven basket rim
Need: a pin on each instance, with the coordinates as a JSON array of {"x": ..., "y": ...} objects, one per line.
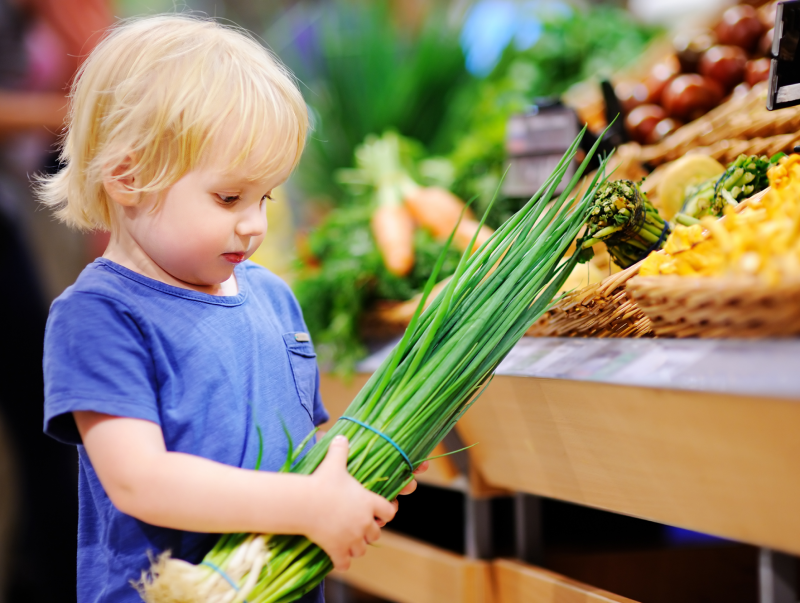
[{"x": 711, "y": 282}]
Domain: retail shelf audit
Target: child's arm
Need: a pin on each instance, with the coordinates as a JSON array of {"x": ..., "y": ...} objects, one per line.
[{"x": 187, "y": 492}]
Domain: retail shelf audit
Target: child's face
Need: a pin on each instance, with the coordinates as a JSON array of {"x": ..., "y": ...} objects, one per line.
[{"x": 202, "y": 226}]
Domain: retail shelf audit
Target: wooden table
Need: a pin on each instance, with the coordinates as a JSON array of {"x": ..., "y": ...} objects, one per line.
[
  {"x": 712, "y": 461},
  {"x": 701, "y": 435}
]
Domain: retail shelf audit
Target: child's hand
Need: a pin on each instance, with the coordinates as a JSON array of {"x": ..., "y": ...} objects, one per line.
[
  {"x": 411, "y": 487},
  {"x": 351, "y": 514}
]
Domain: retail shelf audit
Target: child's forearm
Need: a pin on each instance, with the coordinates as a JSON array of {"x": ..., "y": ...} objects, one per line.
[{"x": 187, "y": 492}]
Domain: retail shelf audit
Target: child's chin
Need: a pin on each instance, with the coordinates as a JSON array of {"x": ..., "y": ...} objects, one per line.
[{"x": 211, "y": 278}]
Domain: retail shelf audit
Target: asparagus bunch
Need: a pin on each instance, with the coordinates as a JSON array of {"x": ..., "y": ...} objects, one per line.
[
  {"x": 623, "y": 218},
  {"x": 744, "y": 177}
]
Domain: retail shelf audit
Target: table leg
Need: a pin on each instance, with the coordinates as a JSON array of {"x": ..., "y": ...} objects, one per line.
[
  {"x": 777, "y": 577},
  {"x": 477, "y": 527},
  {"x": 528, "y": 528}
]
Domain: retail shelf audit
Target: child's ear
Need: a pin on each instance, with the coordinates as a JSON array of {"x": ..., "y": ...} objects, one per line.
[{"x": 119, "y": 183}]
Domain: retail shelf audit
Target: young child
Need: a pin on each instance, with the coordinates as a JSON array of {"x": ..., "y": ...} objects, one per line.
[{"x": 170, "y": 352}]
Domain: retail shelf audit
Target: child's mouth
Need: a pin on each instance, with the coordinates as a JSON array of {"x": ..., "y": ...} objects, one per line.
[{"x": 234, "y": 258}]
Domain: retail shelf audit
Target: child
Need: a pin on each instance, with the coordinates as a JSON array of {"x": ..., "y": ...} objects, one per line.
[{"x": 169, "y": 354}]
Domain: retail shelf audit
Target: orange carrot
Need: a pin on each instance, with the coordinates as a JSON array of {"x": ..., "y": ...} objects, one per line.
[
  {"x": 466, "y": 230},
  {"x": 393, "y": 228},
  {"x": 434, "y": 208},
  {"x": 438, "y": 210}
]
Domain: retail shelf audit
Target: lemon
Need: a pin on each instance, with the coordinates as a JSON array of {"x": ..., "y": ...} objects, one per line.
[{"x": 681, "y": 174}]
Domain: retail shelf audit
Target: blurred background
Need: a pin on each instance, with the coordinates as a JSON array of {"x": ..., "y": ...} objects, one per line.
[{"x": 436, "y": 82}]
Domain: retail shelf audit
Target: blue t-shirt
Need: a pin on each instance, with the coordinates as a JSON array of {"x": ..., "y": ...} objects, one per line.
[{"x": 206, "y": 369}]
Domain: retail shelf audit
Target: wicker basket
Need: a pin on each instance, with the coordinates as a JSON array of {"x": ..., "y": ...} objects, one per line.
[
  {"x": 599, "y": 310},
  {"x": 718, "y": 307}
]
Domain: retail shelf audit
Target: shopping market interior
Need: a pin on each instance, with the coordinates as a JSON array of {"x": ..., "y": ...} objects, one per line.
[{"x": 637, "y": 440}]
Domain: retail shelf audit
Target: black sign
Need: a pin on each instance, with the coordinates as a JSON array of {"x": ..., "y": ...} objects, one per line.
[{"x": 784, "y": 70}]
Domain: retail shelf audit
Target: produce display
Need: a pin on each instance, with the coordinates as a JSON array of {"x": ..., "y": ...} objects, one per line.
[
  {"x": 342, "y": 273},
  {"x": 365, "y": 73},
  {"x": 682, "y": 175},
  {"x": 704, "y": 142},
  {"x": 400, "y": 204},
  {"x": 600, "y": 310},
  {"x": 573, "y": 46},
  {"x": 451, "y": 131},
  {"x": 704, "y": 68},
  {"x": 740, "y": 126},
  {"x": 622, "y": 217},
  {"x": 742, "y": 179},
  {"x": 763, "y": 240},
  {"x": 446, "y": 357},
  {"x": 738, "y": 276}
]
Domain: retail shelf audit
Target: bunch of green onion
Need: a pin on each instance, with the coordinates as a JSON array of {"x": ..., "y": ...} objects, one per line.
[
  {"x": 446, "y": 357},
  {"x": 623, "y": 218}
]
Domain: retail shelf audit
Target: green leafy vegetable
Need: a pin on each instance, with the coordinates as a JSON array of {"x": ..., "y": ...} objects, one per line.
[
  {"x": 350, "y": 276},
  {"x": 573, "y": 47}
]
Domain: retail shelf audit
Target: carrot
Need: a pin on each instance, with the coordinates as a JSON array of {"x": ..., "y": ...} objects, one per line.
[
  {"x": 438, "y": 210},
  {"x": 434, "y": 208},
  {"x": 393, "y": 229},
  {"x": 466, "y": 230}
]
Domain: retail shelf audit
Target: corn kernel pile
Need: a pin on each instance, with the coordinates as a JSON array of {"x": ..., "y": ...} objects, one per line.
[{"x": 763, "y": 240}]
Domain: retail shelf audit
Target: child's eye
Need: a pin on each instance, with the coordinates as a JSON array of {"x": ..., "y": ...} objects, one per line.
[
  {"x": 228, "y": 199},
  {"x": 267, "y": 196}
]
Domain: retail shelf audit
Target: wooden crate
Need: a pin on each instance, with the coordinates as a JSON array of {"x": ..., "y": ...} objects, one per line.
[
  {"x": 719, "y": 464},
  {"x": 516, "y": 582},
  {"x": 405, "y": 570}
]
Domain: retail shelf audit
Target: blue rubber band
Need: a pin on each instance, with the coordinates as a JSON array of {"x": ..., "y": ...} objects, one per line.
[
  {"x": 384, "y": 436},
  {"x": 657, "y": 245},
  {"x": 220, "y": 571}
]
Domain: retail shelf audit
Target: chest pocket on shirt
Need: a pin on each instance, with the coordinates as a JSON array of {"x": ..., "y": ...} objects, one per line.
[{"x": 303, "y": 361}]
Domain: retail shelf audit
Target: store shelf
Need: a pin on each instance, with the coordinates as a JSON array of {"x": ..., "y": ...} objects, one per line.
[
  {"x": 741, "y": 367},
  {"x": 515, "y": 582},
  {"x": 698, "y": 434},
  {"x": 408, "y": 571},
  {"x": 721, "y": 464}
]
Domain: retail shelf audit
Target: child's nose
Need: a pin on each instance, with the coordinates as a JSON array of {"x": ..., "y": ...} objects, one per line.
[{"x": 252, "y": 222}]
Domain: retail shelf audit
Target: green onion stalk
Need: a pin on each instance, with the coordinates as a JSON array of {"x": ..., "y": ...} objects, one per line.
[
  {"x": 743, "y": 178},
  {"x": 622, "y": 217},
  {"x": 442, "y": 364}
]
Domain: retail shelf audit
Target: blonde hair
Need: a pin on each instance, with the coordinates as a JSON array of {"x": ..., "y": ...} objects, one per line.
[{"x": 151, "y": 98}]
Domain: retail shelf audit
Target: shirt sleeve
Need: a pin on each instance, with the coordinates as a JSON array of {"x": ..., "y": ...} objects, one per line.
[{"x": 96, "y": 358}]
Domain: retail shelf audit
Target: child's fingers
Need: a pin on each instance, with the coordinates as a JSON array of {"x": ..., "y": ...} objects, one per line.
[
  {"x": 379, "y": 522},
  {"x": 337, "y": 451},
  {"x": 423, "y": 467},
  {"x": 373, "y": 533},
  {"x": 412, "y": 485},
  {"x": 341, "y": 562},
  {"x": 383, "y": 510},
  {"x": 340, "y": 558},
  {"x": 335, "y": 458},
  {"x": 359, "y": 549}
]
